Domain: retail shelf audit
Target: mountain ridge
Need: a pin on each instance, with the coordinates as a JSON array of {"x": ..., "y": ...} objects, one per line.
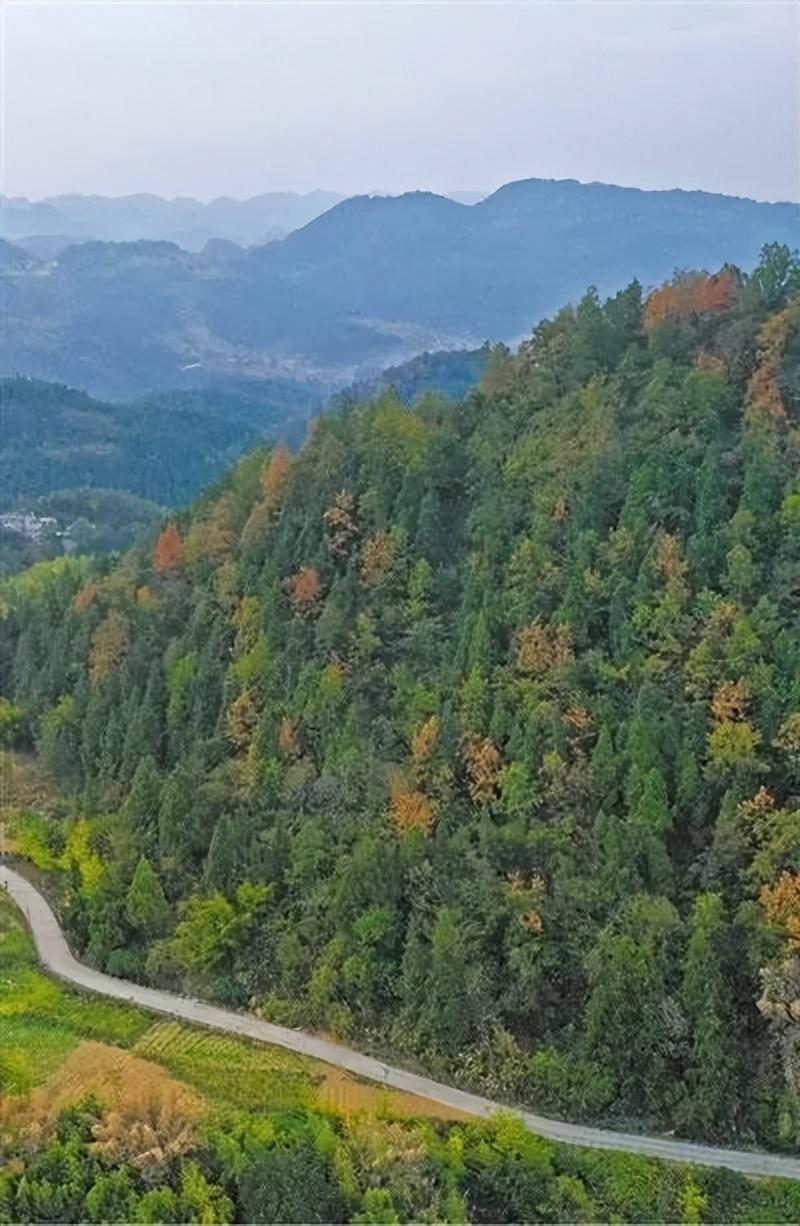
[{"x": 367, "y": 284}]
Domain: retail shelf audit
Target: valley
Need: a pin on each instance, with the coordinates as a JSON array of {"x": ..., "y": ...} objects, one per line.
[{"x": 369, "y": 283}]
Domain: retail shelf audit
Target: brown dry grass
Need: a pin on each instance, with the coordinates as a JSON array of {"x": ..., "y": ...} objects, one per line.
[
  {"x": 346, "y": 1096},
  {"x": 24, "y": 785},
  {"x": 112, "y": 1075}
]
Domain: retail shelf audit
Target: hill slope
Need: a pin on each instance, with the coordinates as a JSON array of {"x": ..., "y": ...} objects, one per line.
[
  {"x": 495, "y": 707},
  {"x": 164, "y": 448},
  {"x": 167, "y": 447},
  {"x": 283, "y": 1136},
  {"x": 367, "y": 284}
]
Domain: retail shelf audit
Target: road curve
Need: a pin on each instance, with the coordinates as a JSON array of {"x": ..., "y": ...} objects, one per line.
[{"x": 57, "y": 958}]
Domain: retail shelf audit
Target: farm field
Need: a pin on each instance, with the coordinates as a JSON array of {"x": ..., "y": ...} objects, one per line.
[
  {"x": 72, "y": 1044},
  {"x": 165, "y": 1122},
  {"x": 41, "y": 1022}
]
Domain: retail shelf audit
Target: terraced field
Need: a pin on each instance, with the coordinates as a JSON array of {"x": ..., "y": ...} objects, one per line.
[
  {"x": 228, "y": 1070},
  {"x": 71, "y": 1044}
]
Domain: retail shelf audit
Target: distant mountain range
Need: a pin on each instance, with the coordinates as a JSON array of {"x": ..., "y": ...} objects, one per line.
[
  {"x": 368, "y": 283},
  {"x": 45, "y": 227}
]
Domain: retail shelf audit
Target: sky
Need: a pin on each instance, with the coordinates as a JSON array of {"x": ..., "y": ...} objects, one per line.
[{"x": 206, "y": 99}]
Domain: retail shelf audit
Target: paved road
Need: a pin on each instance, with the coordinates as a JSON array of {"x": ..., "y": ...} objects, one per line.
[{"x": 56, "y": 956}]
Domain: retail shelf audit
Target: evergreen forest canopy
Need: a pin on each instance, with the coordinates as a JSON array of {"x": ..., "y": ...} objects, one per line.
[
  {"x": 66, "y": 454},
  {"x": 472, "y": 731}
]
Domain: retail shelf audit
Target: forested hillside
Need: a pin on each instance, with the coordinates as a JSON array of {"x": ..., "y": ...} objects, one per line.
[
  {"x": 112, "y": 1115},
  {"x": 82, "y": 520},
  {"x": 161, "y": 447},
  {"x": 167, "y": 447},
  {"x": 471, "y": 731},
  {"x": 450, "y": 372}
]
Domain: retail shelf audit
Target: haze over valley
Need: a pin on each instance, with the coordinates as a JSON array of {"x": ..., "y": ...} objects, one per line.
[
  {"x": 45, "y": 227},
  {"x": 368, "y": 283}
]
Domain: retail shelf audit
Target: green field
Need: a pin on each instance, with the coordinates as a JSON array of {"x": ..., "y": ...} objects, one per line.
[
  {"x": 42, "y": 1022},
  {"x": 375, "y": 1156}
]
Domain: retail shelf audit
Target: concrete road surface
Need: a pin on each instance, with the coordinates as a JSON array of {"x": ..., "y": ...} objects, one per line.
[{"x": 57, "y": 958}]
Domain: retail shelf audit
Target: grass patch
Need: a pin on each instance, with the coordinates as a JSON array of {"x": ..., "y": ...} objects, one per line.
[
  {"x": 42, "y": 1046},
  {"x": 92, "y": 1017},
  {"x": 232, "y": 1071},
  {"x": 43, "y": 1019}
]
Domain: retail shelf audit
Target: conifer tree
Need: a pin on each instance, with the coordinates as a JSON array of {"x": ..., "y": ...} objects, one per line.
[
  {"x": 145, "y": 905},
  {"x": 140, "y": 812},
  {"x": 707, "y": 995}
]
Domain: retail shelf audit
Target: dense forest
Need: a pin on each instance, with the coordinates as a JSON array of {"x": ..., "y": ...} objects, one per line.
[
  {"x": 451, "y": 372},
  {"x": 472, "y": 731},
  {"x": 61, "y": 449},
  {"x": 163, "y": 448}
]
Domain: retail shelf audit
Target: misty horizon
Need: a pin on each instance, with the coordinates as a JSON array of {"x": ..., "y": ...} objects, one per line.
[
  {"x": 379, "y": 192},
  {"x": 207, "y": 100}
]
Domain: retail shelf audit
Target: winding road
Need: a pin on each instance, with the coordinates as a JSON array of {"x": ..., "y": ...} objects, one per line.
[{"x": 56, "y": 956}]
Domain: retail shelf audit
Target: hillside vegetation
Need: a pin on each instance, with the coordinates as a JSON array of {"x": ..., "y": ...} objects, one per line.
[
  {"x": 86, "y": 463},
  {"x": 473, "y": 731},
  {"x": 83, "y": 520},
  {"x": 110, "y": 1115},
  {"x": 162, "y": 447}
]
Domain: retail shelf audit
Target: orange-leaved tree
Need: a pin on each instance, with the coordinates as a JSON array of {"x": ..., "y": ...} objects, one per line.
[
  {"x": 411, "y": 808},
  {"x": 423, "y": 742},
  {"x": 763, "y": 400},
  {"x": 482, "y": 765},
  {"x": 168, "y": 555},
  {"x": 303, "y": 589},
  {"x": 693, "y": 293},
  {"x": 340, "y": 524},
  {"x": 542, "y": 647},
  {"x": 376, "y": 558},
  {"x": 731, "y": 700},
  {"x": 241, "y": 719},
  {"x": 288, "y": 741},
  {"x": 109, "y": 646},
  {"x": 84, "y": 597},
  {"x": 273, "y": 476},
  {"x": 781, "y": 906}
]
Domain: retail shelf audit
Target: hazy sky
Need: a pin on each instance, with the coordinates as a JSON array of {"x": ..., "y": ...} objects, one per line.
[{"x": 210, "y": 99}]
